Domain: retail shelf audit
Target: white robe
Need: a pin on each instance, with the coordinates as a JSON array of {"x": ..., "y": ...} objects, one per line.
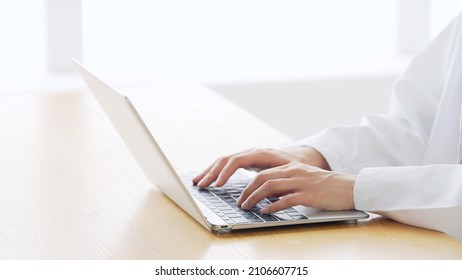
[{"x": 408, "y": 162}]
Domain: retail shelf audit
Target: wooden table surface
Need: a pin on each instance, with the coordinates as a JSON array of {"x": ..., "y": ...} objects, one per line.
[{"x": 69, "y": 188}]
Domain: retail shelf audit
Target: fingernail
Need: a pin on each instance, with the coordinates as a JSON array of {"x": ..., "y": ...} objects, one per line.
[
  {"x": 239, "y": 202},
  {"x": 245, "y": 205},
  {"x": 264, "y": 210},
  {"x": 201, "y": 183}
]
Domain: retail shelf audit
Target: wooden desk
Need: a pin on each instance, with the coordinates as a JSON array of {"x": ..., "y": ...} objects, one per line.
[{"x": 69, "y": 189}]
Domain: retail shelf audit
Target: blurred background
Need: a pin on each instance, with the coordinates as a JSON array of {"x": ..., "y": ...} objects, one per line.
[{"x": 298, "y": 65}]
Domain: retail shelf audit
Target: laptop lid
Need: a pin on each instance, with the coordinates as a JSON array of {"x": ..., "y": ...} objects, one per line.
[{"x": 140, "y": 142}]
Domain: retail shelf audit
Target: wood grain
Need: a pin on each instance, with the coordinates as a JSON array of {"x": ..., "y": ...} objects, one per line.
[{"x": 69, "y": 188}]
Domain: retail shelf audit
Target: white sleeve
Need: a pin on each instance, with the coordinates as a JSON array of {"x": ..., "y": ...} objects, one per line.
[
  {"x": 423, "y": 196},
  {"x": 401, "y": 137},
  {"x": 378, "y": 141},
  {"x": 403, "y": 173}
]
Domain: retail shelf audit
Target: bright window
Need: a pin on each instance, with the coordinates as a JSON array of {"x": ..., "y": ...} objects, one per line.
[
  {"x": 442, "y": 12},
  {"x": 211, "y": 40},
  {"x": 23, "y": 45}
]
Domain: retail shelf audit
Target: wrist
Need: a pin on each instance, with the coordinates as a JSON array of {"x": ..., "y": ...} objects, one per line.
[
  {"x": 343, "y": 186},
  {"x": 314, "y": 157},
  {"x": 350, "y": 181}
]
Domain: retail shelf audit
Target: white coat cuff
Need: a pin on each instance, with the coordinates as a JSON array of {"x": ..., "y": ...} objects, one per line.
[{"x": 364, "y": 184}]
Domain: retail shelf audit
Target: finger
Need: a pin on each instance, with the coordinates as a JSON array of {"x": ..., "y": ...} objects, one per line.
[
  {"x": 201, "y": 175},
  {"x": 285, "y": 202},
  {"x": 243, "y": 160},
  {"x": 212, "y": 173},
  {"x": 261, "y": 178},
  {"x": 274, "y": 187}
]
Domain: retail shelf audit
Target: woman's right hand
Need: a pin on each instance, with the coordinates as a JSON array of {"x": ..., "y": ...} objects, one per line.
[{"x": 258, "y": 159}]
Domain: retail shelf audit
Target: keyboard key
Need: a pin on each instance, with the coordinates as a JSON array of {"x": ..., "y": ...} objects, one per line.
[
  {"x": 263, "y": 203},
  {"x": 240, "y": 220},
  {"x": 298, "y": 217},
  {"x": 234, "y": 215},
  {"x": 215, "y": 210},
  {"x": 254, "y": 219},
  {"x": 291, "y": 210},
  {"x": 272, "y": 199},
  {"x": 255, "y": 209},
  {"x": 282, "y": 216},
  {"x": 268, "y": 218},
  {"x": 248, "y": 215}
]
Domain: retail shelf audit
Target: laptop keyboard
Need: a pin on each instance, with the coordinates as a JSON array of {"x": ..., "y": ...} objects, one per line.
[{"x": 222, "y": 201}]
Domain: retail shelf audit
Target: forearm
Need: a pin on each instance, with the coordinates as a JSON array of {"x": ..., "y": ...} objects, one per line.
[{"x": 378, "y": 141}]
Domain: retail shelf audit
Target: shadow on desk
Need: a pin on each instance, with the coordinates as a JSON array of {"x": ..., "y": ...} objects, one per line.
[{"x": 161, "y": 230}]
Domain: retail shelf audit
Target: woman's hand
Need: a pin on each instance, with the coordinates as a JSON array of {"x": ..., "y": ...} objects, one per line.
[
  {"x": 258, "y": 159},
  {"x": 299, "y": 184}
]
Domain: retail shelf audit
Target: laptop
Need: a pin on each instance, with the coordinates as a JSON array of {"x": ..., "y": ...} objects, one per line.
[{"x": 214, "y": 208}]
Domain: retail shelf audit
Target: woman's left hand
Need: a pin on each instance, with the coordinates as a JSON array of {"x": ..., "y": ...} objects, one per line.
[{"x": 299, "y": 184}]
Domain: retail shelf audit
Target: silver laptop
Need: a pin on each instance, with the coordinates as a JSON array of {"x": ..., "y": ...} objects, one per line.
[{"x": 214, "y": 208}]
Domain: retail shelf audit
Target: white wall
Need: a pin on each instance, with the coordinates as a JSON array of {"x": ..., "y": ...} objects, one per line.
[
  {"x": 315, "y": 63},
  {"x": 303, "y": 108},
  {"x": 241, "y": 40},
  {"x": 298, "y": 65}
]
